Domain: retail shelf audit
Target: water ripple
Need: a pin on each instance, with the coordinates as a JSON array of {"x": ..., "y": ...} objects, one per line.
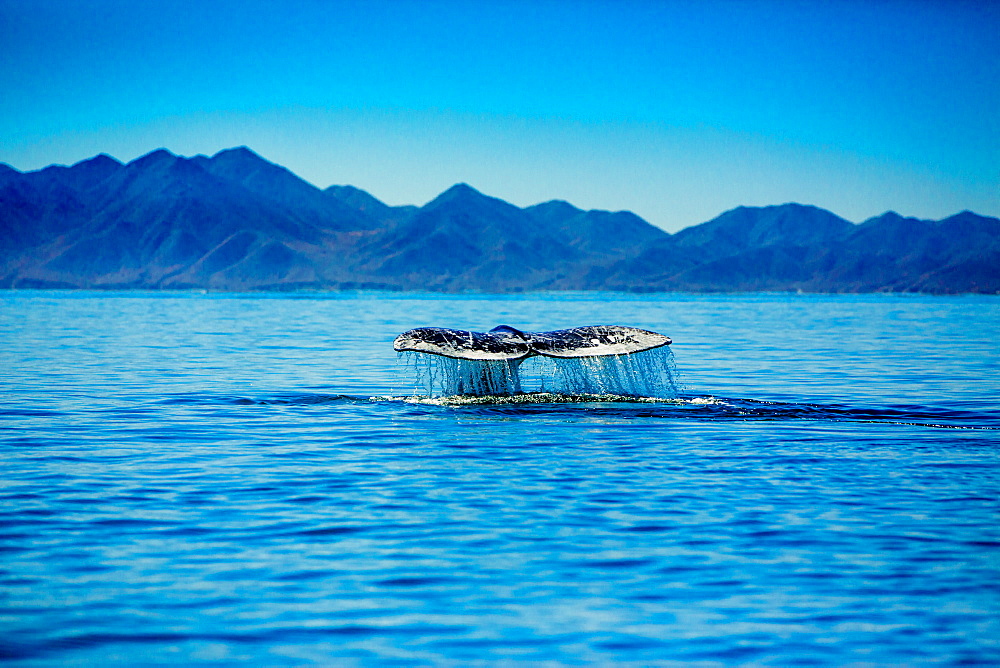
[{"x": 220, "y": 479}]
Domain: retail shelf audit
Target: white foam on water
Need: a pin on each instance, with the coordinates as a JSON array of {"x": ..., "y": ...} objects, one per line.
[
  {"x": 533, "y": 398},
  {"x": 650, "y": 374},
  {"x": 707, "y": 401}
]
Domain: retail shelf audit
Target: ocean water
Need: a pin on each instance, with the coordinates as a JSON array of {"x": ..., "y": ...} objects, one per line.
[{"x": 219, "y": 479}]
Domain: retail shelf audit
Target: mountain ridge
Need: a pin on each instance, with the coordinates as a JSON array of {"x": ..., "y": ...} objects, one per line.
[{"x": 236, "y": 221}]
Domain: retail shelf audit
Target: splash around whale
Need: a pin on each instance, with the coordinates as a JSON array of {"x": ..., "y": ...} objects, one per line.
[{"x": 606, "y": 360}]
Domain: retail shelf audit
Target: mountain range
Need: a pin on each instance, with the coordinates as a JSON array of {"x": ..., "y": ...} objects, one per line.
[{"x": 235, "y": 221}]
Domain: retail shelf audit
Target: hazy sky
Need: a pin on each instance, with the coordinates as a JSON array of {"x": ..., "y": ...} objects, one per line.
[{"x": 674, "y": 110}]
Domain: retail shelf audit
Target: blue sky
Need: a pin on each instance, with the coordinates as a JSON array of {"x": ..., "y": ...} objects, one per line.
[{"x": 674, "y": 110}]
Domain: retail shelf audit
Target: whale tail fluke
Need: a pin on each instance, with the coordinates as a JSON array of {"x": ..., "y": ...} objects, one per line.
[{"x": 507, "y": 343}]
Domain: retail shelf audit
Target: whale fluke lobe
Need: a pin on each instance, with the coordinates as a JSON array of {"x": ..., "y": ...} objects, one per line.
[
  {"x": 596, "y": 341},
  {"x": 462, "y": 344},
  {"x": 507, "y": 343}
]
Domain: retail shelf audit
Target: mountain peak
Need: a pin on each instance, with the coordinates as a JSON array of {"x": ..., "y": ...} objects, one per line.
[
  {"x": 88, "y": 173},
  {"x": 237, "y": 152},
  {"x": 461, "y": 193},
  {"x": 967, "y": 216},
  {"x": 101, "y": 160},
  {"x": 160, "y": 156},
  {"x": 555, "y": 207},
  {"x": 744, "y": 227},
  {"x": 890, "y": 218},
  {"x": 345, "y": 190},
  {"x": 779, "y": 208},
  {"x": 460, "y": 190},
  {"x": 243, "y": 165},
  {"x": 240, "y": 160}
]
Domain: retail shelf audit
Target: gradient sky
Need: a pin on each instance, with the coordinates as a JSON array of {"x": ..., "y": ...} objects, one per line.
[{"x": 675, "y": 110}]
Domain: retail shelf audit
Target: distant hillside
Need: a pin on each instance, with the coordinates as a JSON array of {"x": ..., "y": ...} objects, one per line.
[{"x": 235, "y": 221}]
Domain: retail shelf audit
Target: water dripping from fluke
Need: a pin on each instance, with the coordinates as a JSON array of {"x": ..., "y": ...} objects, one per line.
[{"x": 586, "y": 364}]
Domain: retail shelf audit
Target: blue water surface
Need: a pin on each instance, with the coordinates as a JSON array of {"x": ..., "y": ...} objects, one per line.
[{"x": 223, "y": 478}]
